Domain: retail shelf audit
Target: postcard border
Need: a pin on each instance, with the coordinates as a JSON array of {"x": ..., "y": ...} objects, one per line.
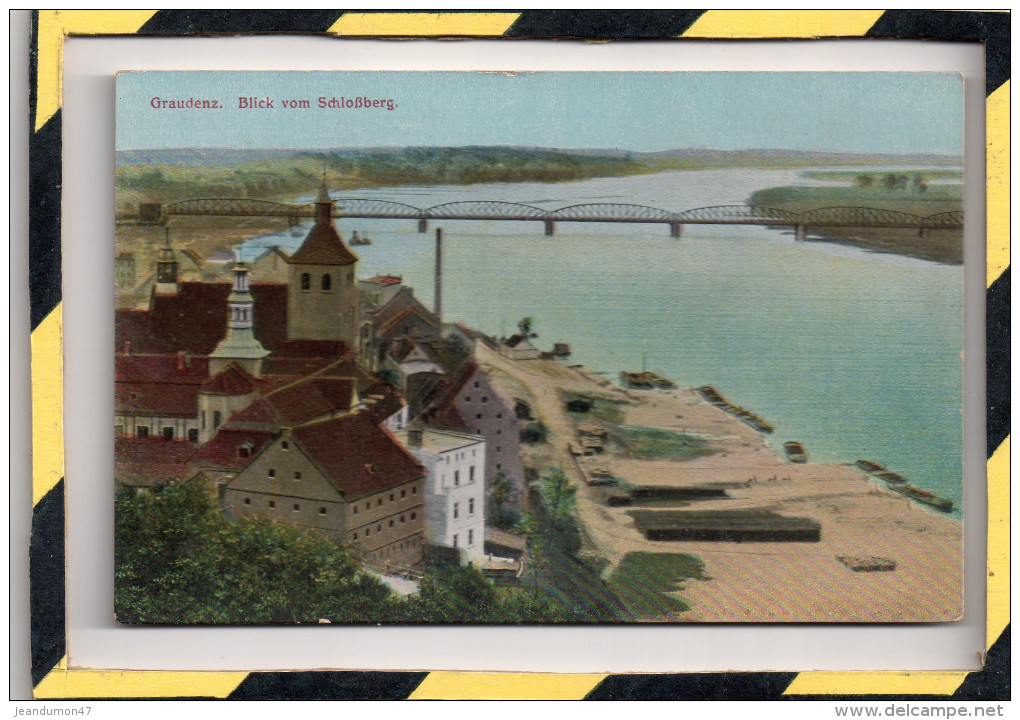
[{"x": 50, "y": 675}]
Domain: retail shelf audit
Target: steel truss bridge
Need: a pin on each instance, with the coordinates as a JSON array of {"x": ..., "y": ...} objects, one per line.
[{"x": 585, "y": 212}]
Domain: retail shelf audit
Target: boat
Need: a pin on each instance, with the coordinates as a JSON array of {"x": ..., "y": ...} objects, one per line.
[
  {"x": 924, "y": 497},
  {"x": 357, "y": 239},
  {"x": 870, "y": 467},
  {"x": 636, "y": 381},
  {"x": 795, "y": 452},
  {"x": 663, "y": 383},
  {"x": 891, "y": 477}
]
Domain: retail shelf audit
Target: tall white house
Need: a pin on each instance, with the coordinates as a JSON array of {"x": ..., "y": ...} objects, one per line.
[{"x": 454, "y": 488}]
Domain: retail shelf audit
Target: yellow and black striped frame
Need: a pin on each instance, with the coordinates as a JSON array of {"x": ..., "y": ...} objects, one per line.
[{"x": 51, "y": 676}]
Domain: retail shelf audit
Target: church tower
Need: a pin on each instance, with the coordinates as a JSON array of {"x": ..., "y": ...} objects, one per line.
[
  {"x": 240, "y": 344},
  {"x": 166, "y": 270},
  {"x": 322, "y": 298}
]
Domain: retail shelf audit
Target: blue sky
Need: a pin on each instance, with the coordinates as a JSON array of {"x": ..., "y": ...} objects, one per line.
[{"x": 856, "y": 112}]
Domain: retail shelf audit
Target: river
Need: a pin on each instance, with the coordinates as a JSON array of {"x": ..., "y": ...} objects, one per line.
[{"x": 855, "y": 354}]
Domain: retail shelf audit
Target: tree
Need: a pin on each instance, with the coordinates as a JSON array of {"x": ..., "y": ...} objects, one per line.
[
  {"x": 502, "y": 492},
  {"x": 180, "y": 561},
  {"x": 559, "y": 498},
  {"x": 525, "y": 326}
]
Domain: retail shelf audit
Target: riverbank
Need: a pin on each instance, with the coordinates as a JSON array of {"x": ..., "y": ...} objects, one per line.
[{"x": 749, "y": 581}]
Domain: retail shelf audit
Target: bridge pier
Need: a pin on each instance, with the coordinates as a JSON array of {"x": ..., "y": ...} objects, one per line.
[
  {"x": 550, "y": 227},
  {"x": 800, "y": 232},
  {"x": 923, "y": 232},
  {"x": 423, "y": 225},
  {"x": 676, "y": 229}
]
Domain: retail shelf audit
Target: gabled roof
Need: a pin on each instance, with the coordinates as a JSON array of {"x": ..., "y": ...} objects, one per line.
[
  {"x": 231, "y": 380},
  {"x": 310, "y": 399},
  {"x": 357, "y": 455},
  {"x": 161, "y": 369},
  {"x": 323, "y": 246},
  {"x": 223, "y": 450},
  {"x": 152, "y": 461}
]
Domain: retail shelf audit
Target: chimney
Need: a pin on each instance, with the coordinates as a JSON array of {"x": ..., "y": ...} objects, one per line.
[
  {"x": 127, "y": 347},
  {"x": 437, "y": 301},
  {"x": 415, "y": 436}
]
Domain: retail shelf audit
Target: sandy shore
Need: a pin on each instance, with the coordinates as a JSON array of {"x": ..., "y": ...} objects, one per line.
[{"x": 756, "y": 581}]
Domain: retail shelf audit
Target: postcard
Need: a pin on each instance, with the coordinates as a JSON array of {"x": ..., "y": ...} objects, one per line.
[{"x": 584, "y": 347}]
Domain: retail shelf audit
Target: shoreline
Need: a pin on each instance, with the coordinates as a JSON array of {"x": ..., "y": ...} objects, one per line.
[{"x": 857, "y": 514}]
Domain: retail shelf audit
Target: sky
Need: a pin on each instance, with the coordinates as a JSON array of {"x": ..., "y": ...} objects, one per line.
[{"x": 640, "y": 111}]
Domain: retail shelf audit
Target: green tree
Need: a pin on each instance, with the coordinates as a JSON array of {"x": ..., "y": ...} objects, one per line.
[
  {"x": 501, "y": 494},
  {"x": 525, "y": 326},
  {"x": 179, "y": 561},
  {"x": 559, "y": 498}
]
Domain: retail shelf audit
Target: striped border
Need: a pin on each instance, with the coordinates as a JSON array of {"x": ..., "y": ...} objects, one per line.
[{"x": 50, "y": 674}]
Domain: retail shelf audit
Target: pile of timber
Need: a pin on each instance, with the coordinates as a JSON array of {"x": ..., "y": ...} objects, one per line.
[
  {"x": 725, "y": 526},
  {"x": 859, "y": 563}
]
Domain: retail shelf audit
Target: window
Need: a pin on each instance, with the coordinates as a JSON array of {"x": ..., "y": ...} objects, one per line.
[
  {"x": 485, "y": 398},
  {"x": 499, "y": 448},
  {"x": 467, "y": 398},
  {"x": 327, "y": 283},
  {"x": 244, "y": 450},
  {"x": 322, "y": 511},
  {"x": 471, "y": 538},
  {"x": 403, "y": 493},
  {"x": 391, "y": 497},
  {"x": 378, "y": 503},
  {"x": 499, "y": 432},
  {"x": 471, "y": 474},
  {"x": 297, "y": 475},
  {"x": 247, "y": 501},
  {"x": 285, "y": 445},
  {"x": 471, "y": 506},
  {"x": 478, "y": 416},
  {"x": 272, "y": 472},
  {"x": 368, "y": 531},
  {"x": 414, "y": 515},
  {"x": 499, "y": 416},
  {"x": 355, "y": 509},
  {"x": 456, "y": 477},
  {"x": 272, "y": 503},
  {"x": 498, "y": 466},
  {"x": 414, "y": 490},
  {"x": 476, "y": 383},
  {"x": 378, "y": 528},
  {"x": 193, "y": 435},
  {"x": 391, "y": 523},
  {"x": 203, "y": 419},
  {"x": 296, "y": 507},
  {"x": 455, "y": 541},
  {"x": 168, "y": 433},
  {"x": 355, "y": 536},
  {"x": 217, "y": 418},
  {"x": 306, "y": 282},
  {"x": 402, "y": 518},
  {"x": 142, "y": 431},
  {"x": 456, "y": 510}
]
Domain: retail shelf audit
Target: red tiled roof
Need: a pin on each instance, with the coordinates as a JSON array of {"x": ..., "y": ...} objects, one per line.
[
  {"x": 445, "y": 417},
  {"x": 386, "y": 279},
  {"x": 323, "y": 246},
  {"x": 231, "y": 380},
  {"x": 310, "y": 399},
  {"x": 152, "y": 461},
  {"x": 161, "y": 369},
  {"x": 223, "y": 450},
  {"x": 358, "y": 456},
  {"x": 195, "y": 318},
  {"x": 386, "y": 403},
  {"x": 157, "y": 399}
]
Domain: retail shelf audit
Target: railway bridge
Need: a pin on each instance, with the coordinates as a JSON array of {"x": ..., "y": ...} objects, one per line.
[{"x": 585, "y": 212}]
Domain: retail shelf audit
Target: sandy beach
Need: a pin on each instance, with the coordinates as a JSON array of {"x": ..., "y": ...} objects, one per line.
[{"x": 752, "y": 581}]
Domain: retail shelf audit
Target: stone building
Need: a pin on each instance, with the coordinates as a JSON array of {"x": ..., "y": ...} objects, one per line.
[
  {"x": 345, "y": 477},
  {"x": 454, "y": 488}
]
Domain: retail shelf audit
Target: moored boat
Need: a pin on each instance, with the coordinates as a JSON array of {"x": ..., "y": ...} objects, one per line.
[
  {"x": 795, "y": 451},
  {"x": 870, "y": 467},
  {"x": 923, "y": 496}
]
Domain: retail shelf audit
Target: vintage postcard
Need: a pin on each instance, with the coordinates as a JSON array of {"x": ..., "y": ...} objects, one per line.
[{"x": 413, "y": 347}]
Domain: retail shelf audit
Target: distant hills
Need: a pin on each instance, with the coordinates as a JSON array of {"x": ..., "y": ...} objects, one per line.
[{"x": 683, "y": 156}]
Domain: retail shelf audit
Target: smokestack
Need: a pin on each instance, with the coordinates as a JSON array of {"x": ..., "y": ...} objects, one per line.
[{"x": 437, "y": 302}]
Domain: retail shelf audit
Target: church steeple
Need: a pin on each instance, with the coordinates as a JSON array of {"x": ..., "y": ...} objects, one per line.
[
  {"x": 166, "y": 269},
  {"x": 240, "y": 344},
  {"x": 322, "y": 297}
]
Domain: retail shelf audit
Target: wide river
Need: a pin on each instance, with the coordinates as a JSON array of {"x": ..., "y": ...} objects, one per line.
[{"x": 854, "y": 353}]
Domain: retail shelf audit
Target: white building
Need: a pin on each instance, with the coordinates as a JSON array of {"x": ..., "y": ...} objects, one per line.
[{"x": 454, "y": 488}]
